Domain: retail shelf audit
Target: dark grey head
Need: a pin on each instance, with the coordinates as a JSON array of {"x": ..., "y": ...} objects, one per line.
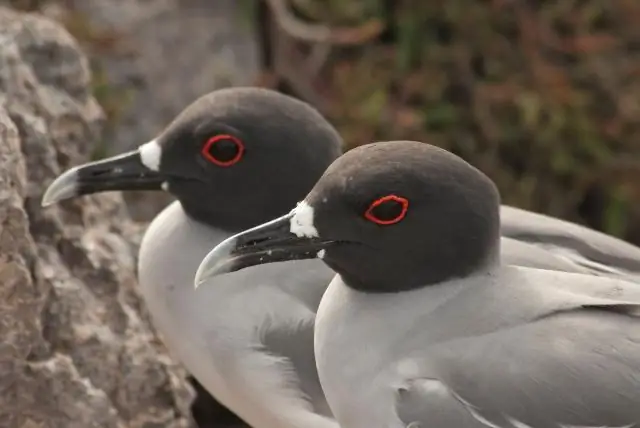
[
  {"x": 233, "y": 158},
  {"x": 386, "y": 216}
]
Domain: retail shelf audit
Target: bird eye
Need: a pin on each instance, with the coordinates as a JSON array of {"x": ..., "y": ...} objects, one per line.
[
  {"x": 223, "y": 150},
  {"x": 387, "y": 210}
]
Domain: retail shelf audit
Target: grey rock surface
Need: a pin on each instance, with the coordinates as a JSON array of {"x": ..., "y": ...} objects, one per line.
[{"x": 77, "y": 348}]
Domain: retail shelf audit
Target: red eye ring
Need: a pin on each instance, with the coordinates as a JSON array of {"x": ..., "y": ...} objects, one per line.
[
  {"x": 369, "y": 215},
  {"x": 215, "y": 139}
]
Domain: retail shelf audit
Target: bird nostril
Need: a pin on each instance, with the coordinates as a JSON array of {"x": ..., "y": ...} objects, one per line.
[
  {"x": 257, "y": 241},
  {"x": 100, "y": 172}
]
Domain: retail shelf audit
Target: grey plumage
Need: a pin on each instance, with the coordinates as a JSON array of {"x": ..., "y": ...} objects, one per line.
[
  {"x": 536, "y": 255},
  {"x": 251, "y": 330},
  {"x": 520, "y": 348},
  {"x": 233, "y": 158},
  {"x": 595, "y": 251},
  {"x": 248, "y": 337},
  {"x": 429, "y": 324}
]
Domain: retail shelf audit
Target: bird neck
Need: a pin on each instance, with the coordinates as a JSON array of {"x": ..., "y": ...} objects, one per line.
[
  {"x": 406, "y": 274},
  {"x": 220, "y": 218}
]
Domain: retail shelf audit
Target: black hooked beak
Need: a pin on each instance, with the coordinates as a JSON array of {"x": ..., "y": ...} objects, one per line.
[
  {"x": 268, "y": 243},
  {"x": 122, "y": 172}
]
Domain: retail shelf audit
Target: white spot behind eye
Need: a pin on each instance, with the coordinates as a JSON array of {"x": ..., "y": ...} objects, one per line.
[
  {"x": 321, "y": 254},
  {"x": 150, "y": 154},
  {"x": 302, "y": 221}
]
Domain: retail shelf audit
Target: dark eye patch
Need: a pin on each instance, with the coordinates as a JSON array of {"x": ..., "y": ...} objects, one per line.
[
  {"x": 223, "y": 150},
  {"x": 387, "y": 210}
]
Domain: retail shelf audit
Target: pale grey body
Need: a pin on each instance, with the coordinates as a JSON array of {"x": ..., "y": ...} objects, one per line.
[
  {"x": 231, "y": 335},
  {"x": 248, "y": 336},
  {"x": 432, "y": 321},
  {"x": 508, "y": 347},
  {"x": 594, "y": 251}
]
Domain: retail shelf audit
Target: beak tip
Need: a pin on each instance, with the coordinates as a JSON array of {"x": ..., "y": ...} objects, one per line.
[
  {"x": 49, "y": 199},
  {"x": 216, "y": 262},
  {"x": 209, "y": 268},
  {"x": 63, "y": 187},
  {"x": 53, "y": 196},
  {"x": 201, "y": 275},
  {"x": 200, "y": 278}
]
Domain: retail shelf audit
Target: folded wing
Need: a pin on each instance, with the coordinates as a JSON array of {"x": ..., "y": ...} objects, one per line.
[{"x": 574, "y": 364}]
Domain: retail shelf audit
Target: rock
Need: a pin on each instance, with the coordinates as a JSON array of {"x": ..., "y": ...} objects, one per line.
[
  {"x": 77, "y": 348},
  {"x": 156, "y": 57}
]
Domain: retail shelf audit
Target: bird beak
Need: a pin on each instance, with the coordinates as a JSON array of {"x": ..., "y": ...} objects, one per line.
[
  {"x": 268, "y": 243},
  {"x": 122, "y": 172}
]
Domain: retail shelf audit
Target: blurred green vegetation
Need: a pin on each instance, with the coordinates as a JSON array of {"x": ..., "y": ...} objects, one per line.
[{"x": 543, "y": 96}]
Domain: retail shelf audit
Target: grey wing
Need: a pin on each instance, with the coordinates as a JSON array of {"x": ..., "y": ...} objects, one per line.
[
  {"x": 289, "y": 333},
  {"x": 570, "y": 369},
  {"x": 295, "y": 343},
  {"x": 518, "y": 253},
  {"x": 596, "y": 251},
  {"x": 303, "y": 280}
]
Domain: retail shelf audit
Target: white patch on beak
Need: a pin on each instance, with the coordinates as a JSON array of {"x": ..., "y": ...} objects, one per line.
[
  {"x": 150, "y": 154},
  {"x": 321, "y": 254},
  {"x": 302, "y": 221}
]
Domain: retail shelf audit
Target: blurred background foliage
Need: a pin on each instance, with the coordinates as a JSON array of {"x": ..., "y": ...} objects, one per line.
[{"x": 542, "y": 95}]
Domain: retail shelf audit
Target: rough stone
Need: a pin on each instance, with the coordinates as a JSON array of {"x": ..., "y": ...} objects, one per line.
[{"x": 77, "y": 348}]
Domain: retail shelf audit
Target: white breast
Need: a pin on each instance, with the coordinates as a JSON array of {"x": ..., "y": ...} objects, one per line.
[
  {"x": 356, "y": 339},
  {"x": 214, "y": 331}
]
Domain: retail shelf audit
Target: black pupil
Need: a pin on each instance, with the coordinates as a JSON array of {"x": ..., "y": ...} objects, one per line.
[
  {"x": 387, "y": 210},
  {"x": 224, "y": 150}
]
